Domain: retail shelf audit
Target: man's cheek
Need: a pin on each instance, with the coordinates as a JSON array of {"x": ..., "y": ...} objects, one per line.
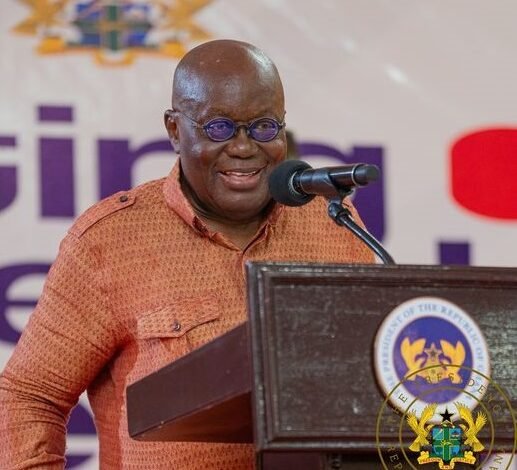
[{"x": 277, "y": 150}]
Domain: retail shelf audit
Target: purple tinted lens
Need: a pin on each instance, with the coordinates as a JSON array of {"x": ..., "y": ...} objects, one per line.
[
  {"x": 264, "y": 129},
  {"x": 220, "y": 129}
]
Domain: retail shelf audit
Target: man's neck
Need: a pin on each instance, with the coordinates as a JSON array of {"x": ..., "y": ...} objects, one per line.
[{"x": 241, "y": 234}]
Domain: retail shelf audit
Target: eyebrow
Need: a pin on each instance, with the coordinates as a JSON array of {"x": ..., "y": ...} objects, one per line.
[{"x": 216, "y": 112}]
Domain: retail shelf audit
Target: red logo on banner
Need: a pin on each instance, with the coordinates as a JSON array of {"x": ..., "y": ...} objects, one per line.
[{"x": 484, "y": 172}]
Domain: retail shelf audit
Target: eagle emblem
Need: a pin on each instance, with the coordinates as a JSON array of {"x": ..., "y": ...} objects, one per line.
[
  {"x": 446, "y": 360},
  {"x": 421, "y": 428},
  {"x": 446, "y": 443},
  {"x": 472, "y": 427}
]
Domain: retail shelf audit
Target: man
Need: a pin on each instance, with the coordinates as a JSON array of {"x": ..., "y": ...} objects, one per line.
[{"x": 146, "y": 276}]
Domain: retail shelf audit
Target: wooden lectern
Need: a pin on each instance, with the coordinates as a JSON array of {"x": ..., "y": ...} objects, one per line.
[{"x": 297, "y": 380}]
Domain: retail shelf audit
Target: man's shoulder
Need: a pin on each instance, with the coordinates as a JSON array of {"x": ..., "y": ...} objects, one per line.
[{"x": 118, "y": 204}]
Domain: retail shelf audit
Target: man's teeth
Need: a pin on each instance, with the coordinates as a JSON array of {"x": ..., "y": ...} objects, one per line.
[{"x": 240, "y": 173}]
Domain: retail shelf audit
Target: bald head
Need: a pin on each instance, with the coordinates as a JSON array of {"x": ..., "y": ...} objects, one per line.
[{"x": 222, "y": 65}]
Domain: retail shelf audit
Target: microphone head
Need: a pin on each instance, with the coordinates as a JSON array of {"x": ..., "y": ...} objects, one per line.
[
  {"x": 365, "y": 174},
  {"x": 281, "y": 186}
]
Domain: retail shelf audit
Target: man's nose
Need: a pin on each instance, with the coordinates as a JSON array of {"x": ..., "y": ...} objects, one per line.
[{"x": 241, "y": 145}]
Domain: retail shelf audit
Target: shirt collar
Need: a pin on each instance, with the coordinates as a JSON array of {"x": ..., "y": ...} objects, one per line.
[{"x": 176, "y": 200}]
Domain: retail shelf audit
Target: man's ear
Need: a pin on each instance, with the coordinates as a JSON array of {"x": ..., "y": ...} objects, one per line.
[{"x": 169, "y": 119}]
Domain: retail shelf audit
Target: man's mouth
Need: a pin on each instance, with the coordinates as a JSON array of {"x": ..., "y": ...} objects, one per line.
[{"x": 241, "y": 178}]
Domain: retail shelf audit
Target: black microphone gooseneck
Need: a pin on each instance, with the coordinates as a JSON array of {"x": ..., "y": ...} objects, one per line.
[
  {"x": 342, "y": 216},
  {"x": 295, "y": 183}
]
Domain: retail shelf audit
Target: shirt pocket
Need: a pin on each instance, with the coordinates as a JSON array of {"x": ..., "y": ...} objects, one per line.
[{"x": 165, "y": 330}]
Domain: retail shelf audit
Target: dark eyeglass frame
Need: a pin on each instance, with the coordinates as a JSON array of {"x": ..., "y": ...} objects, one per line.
[{"x": 249, "y": 127}]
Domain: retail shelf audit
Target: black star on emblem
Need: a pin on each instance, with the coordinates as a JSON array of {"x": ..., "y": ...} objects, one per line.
[{"x": 446, "y": 416}]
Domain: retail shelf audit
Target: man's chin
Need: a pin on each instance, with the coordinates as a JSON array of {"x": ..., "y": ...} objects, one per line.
[{"x": 240, "y": 213}]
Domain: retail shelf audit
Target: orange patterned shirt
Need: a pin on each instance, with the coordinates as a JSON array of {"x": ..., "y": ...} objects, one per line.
[{"x": 140, "y": 281}]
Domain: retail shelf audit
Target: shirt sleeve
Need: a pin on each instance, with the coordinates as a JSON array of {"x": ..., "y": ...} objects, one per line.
[{"x": 70, "y": 336}]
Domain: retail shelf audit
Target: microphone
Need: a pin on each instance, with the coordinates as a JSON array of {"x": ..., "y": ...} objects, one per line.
[{"x": 295, "y": 183}]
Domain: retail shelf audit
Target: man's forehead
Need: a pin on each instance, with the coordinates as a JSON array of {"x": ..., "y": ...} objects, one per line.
[
  {"x": 240, "y": 98},
  {"x": 203, "y": 77}
]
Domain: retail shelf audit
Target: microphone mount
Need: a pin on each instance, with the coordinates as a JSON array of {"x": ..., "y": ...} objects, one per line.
[{"x": 342, "y": 217}]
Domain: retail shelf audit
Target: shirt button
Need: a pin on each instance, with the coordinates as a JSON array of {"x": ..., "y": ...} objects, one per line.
[
  {"x": 123, "y": 198},
  {"x": 176, "y": 326}
]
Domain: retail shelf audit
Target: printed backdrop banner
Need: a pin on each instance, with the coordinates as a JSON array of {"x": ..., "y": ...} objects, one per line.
[{"x": 425, "y": 90}]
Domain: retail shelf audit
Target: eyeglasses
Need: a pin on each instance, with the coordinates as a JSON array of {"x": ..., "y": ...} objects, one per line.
[{"x": 220, "y": 129}]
